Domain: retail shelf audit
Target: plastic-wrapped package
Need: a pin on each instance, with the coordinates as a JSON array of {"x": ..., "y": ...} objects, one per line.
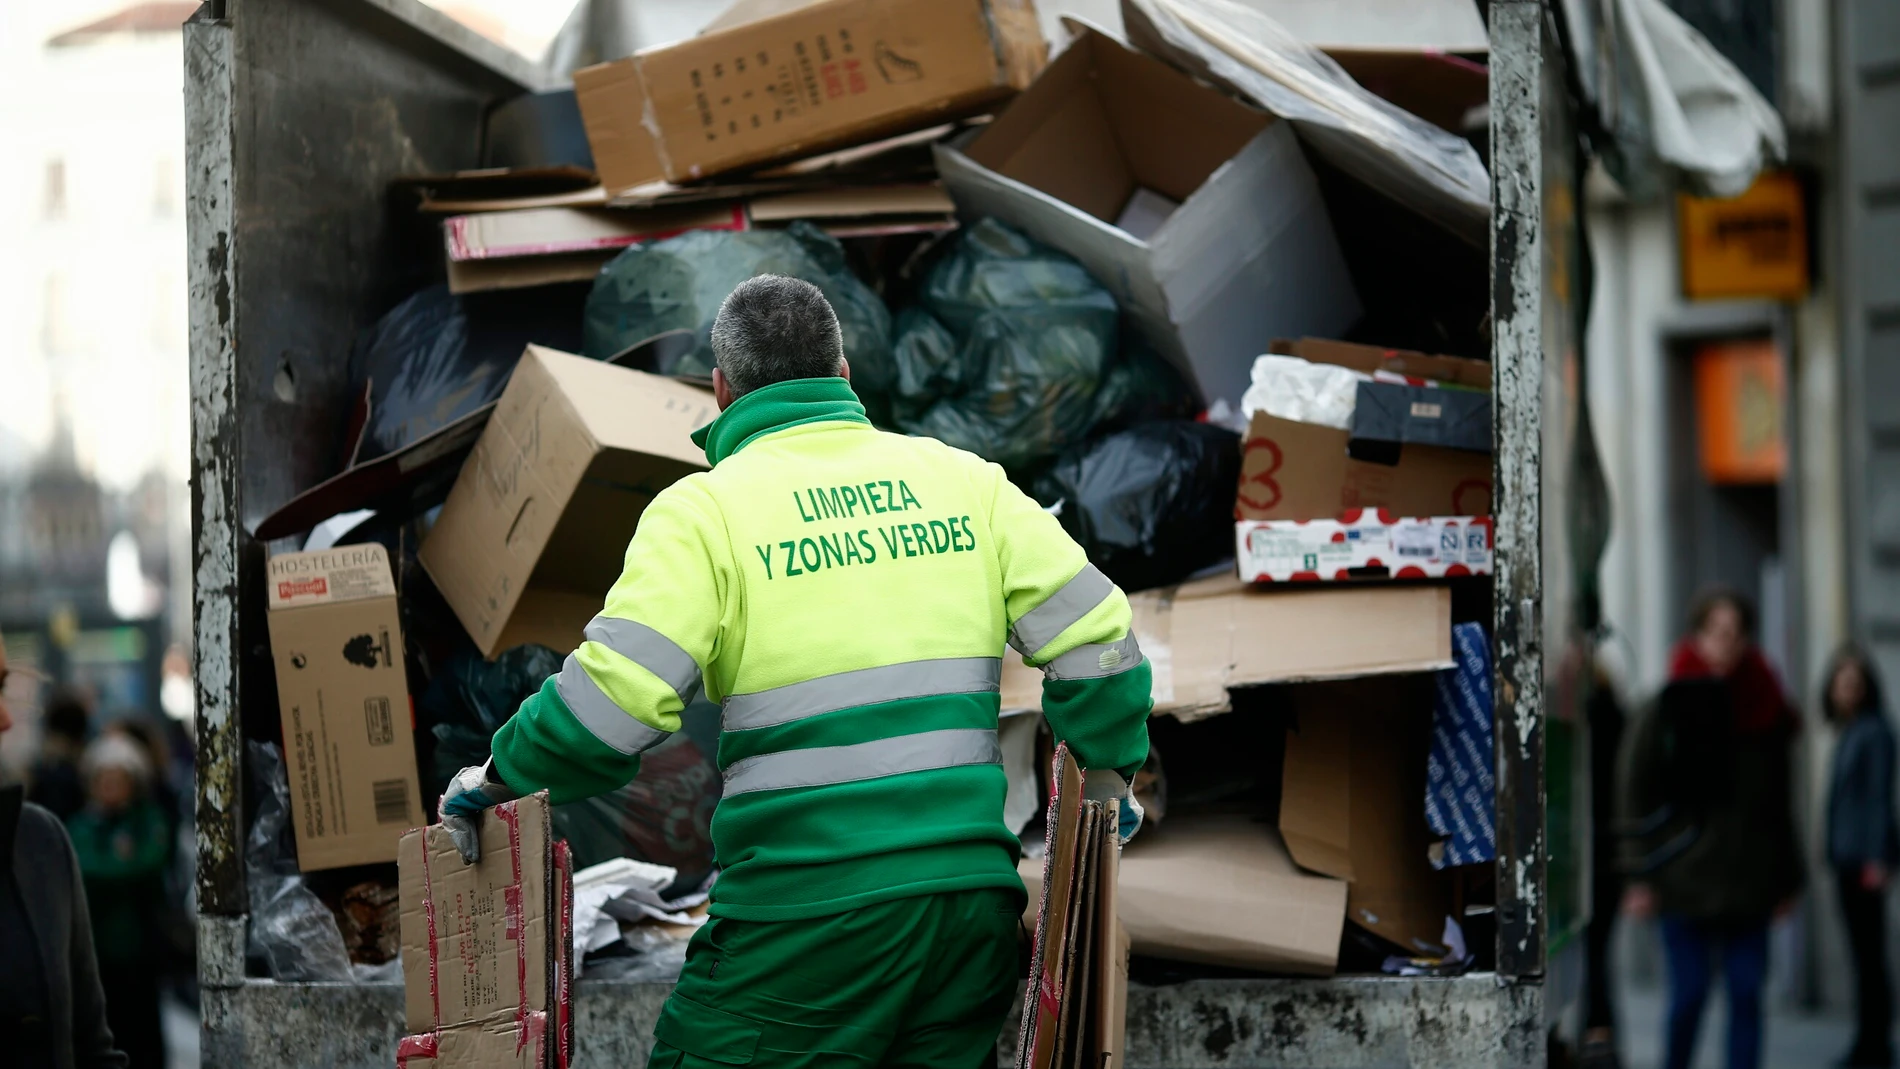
[
  {"x": 1005, "y": 350},
  {"x": 1152, "y": 504},
  {"x": 1432, "y": 171},
  {"x": 679, "y": 283},
  {"x": 1303, "y": 391},
  {"x": 437, "y": 357},
  {"x": 291, "y": 928},
  {"x": 664, "y": 816}
]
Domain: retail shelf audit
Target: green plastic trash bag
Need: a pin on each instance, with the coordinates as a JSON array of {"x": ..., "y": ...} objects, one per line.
[
  {"x": 679, "y": 283},
  {"x": 1004, "y": 351}
]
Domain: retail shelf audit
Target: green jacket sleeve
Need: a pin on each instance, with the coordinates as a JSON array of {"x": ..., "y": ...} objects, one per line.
[
  {"x": 620, "y": 693},
  {"x": 1069, "y": 620}
]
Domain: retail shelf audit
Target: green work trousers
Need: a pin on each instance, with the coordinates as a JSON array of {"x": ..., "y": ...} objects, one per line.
[{"x": 915, "y": 982}]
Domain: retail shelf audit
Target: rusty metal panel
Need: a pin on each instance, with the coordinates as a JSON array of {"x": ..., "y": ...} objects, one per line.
[
  {"x": 1532, "y": 159},
  {"x": 298, "y": 113}
]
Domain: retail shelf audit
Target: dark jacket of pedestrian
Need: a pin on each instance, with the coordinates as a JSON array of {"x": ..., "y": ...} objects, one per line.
[
  {"x": 52, "y": 1012},
  {"x": 1706, "y": 790},
  {"x": 1860, "y": 812},
  {"x": 1862, "y": 844}
]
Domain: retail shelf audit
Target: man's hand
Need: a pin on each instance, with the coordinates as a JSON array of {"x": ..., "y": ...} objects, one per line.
[
  {"x": 1102, "y": 785},
  {"x": 473, "y": 789}
]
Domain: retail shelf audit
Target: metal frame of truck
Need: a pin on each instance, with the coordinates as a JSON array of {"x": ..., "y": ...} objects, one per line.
[{"x": 298, "y": 112}]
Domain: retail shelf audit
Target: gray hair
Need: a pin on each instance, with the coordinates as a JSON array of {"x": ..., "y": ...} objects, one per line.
[{"x": 775, "y": 329}]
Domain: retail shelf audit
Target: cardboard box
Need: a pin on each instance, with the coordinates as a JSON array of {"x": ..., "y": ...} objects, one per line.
[
  {"x": 536, "y": 527},
  {"x": 343, "y": 697},
  {"x": 486, "y": 948},
  {"x": 1203, "y": 637},
  {"x": 1221, "y": 890},
  {"x": 1352, "y": 803},
  {"x": 1302, "y": 471},
  {"x": 802, "y": 81},
  {"x": 1248, "y": 255},
  {"x": 1361, "y": 545}
]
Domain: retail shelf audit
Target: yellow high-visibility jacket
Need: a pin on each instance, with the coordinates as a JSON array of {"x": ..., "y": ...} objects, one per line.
[{"x": 846, "y": 595}]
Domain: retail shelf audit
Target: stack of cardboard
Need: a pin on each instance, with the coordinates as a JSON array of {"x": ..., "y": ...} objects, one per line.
[
  {"x": 1075, "y": 1008},
  {"x": 487, "y": 949}
]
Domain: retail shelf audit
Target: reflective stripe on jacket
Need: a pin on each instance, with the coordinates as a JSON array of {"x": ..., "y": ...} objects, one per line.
[{"x": 846, "y": 595}]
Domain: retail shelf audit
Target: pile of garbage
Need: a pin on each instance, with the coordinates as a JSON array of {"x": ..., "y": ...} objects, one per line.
[{"x": 1172, "y": 287}]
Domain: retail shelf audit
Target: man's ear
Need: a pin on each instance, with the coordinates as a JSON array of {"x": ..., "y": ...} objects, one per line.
[
  {"x": 722, "y": 390},
  {"x": 844, "y": 369}
]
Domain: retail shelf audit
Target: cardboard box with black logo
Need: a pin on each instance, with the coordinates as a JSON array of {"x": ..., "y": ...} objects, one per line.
[{"x": 343, "y": 697}]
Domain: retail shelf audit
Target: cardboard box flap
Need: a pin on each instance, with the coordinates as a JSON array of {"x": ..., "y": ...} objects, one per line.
[
  {"x": 853, "y": 201},
  {"x": 1204, "y": 637},
  {"x": 1352, "y": 803},
  {"x": 1221, "y": 890},
  {"x": 345, "y": 573},
  {"x": 612, "y": 101},
  {"x": 1106, "y": 120}
]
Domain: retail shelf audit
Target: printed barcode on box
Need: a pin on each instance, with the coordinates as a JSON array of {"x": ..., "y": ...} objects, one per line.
[{"x": 392, "y": 801}]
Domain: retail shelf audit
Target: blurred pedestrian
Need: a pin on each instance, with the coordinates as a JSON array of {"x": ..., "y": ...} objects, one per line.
[
  {"x": 1863, "y": 844},
  {"x": 123, "y": 842},
  {"x": 53, "y": 780},
  {"x": 52, "y": 1009},
  {"x": 1707, "y": 808}
]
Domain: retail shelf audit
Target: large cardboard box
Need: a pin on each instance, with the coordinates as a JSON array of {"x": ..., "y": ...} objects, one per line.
[
  {"x": 1232, "y": 245},
  {"x": 1220, "y": 889},
  {"x": 802, "y": 81},
  {"x": 487, "y": 952},
  {"x": 1352, "y": 803},
  {"x": 1203, "y": 637},
  {"x": 537, "y": 525},
  {"x": 343, "y": 697},
  {"x": 1303, "y": 471}
]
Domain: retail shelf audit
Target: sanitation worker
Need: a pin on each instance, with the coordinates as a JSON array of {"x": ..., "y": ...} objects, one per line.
[{"x": 846, "y": 595}]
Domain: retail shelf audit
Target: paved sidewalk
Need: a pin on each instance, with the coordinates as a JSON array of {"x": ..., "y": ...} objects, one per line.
[{"x": 1793, "y": 1041}]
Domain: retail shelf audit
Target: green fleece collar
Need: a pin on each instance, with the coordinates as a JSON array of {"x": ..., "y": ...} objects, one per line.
[{"x": 774, "y": 408}]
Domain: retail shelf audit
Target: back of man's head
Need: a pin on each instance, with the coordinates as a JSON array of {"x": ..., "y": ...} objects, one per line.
[{"x": 775, "y": 329}]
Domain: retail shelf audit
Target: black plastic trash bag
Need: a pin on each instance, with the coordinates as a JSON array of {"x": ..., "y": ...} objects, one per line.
[
  {"x": 1153, "y": 504},
  {"x": 664, "y": 816},
  {"x": 1005, "y": 350},
  {"x": 437, "y": 356},
  {"x": 679, "y": 283}
]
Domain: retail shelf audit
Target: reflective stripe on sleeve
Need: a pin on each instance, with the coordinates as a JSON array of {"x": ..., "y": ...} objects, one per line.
[
  {"x": 650, "y": 650},
  {"x": 864, "y": 686},
  {"x": 1073, "y": 600},
  {"x": 1095, "y": 660},
  {"x": 823, "y": 765},
  {"x": 602, "y": 715}
]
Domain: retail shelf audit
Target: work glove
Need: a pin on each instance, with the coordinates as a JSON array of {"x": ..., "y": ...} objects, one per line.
[
  {"x": 472, "y": 790},
  {"x": 1102, "y": 785}
]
